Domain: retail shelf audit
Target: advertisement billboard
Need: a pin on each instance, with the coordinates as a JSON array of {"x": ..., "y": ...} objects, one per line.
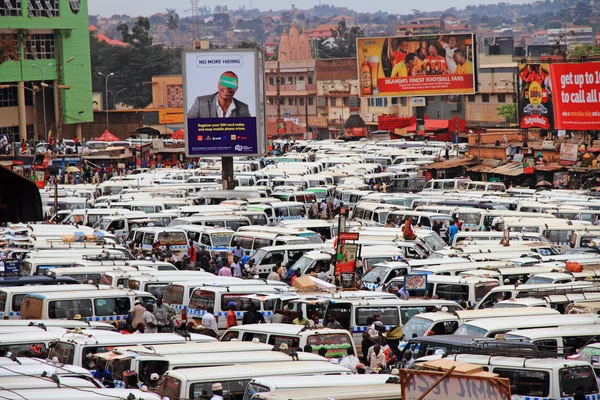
[
  {"x": 223, "y": 101},
  {"x": 577, "y": 88},
  {"x": 417, "y": 65},
  {"x": 535, "y": 97}
]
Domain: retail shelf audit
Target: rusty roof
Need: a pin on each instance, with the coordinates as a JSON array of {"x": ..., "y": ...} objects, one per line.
[{"x": 453, "y": 163}]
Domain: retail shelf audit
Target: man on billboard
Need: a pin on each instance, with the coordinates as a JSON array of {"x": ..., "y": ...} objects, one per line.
[
  {"x": 399, "y": 55},
  {"x": 463, "y": 66},
  {"x": 437, "y": 62},
  {"x": 406, "y": 68},
  {"x": 450, "y": 48},
  {"x": 221, "y": 104}
]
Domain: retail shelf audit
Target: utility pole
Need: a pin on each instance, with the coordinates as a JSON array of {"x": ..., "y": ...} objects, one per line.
[
  {"x": 106, "y": 93},
  {"x": 43, "y": 70},
  {"x": 278, "y": 96}
]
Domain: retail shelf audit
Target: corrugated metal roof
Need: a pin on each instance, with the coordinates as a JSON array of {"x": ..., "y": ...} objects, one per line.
[
  {"x": 549, "y": 167},
  {"x": 510, "y": 169},
  {"x": 452, "y": 163}
]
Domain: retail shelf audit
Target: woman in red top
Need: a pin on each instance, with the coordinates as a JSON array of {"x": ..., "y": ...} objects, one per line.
[{"x": 231, "y": 318}]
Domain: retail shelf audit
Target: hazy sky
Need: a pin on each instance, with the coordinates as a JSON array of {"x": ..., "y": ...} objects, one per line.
[{"x": 149, "y": 7}]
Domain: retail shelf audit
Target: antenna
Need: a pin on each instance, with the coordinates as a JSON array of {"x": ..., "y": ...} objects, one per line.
[{"x": 195, "y": 12}]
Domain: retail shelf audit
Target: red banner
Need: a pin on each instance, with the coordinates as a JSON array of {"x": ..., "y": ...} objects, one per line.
[{"x": 577, "y": 95}]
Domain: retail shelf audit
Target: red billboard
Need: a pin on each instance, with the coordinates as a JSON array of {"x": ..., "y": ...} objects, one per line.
[
  {"x": 577, "y": 95},
  {"x": 416, "y": 65},
  {"x": 535, "y": 97}
]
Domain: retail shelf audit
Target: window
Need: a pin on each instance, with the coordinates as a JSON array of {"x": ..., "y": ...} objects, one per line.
[
  {"x": 403, "y": 101},
  {"x": 174, "y": 96},
  {"x": 43, "y": 8},
  {"x": 260, "y": 243},
  {"x": 290, "y": 101},
  {"x": 271, "y": 81},
  {"x": 114, "y": 306},
  {"x": 273, "y": 257},
  {"x": 67, "y": 309},
  {"x": 290, "y": 80},
  {"x": 75, "y": 6},
  {"x": 310, "y": 80},
  {"x": 248, "y": 336},
  {"x": 10, "y": 8},
  {"x": 311, "y": 101},
  {"x": 575, "y": 379},
  {"x": 527, "y": 383},
  {"x": 501, "y": 98},
  {"x": 471, "y": 98},
  {"x": 291, "y": 341},
  {"x": 546, "y": 345},
  {"x": 282, "y": 80},
  {"x": 389, "y": 315},
  {"x": 485, "y": 98},
  {"x": 430, "y": 99},
  {"x": 333, "y": 102},
  {"x": 39, "y": 47},
  {"x": 202, "y": 300},
  {"x": 301, "y": 101},
  {"x": 452, "y": 292}
]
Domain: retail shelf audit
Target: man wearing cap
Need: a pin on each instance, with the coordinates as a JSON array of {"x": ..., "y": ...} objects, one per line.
[
  {"x": 221, "y": 104},
  {"x": 217, "y": 390}
]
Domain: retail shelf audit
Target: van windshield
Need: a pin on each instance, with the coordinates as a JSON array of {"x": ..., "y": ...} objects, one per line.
[
  {"x": 303, "y": 263},
  {"x": 174, "y": 295},
  {"x": 202, "y": 300},
  {"x": 221, "y": 239},
  {"x": 416, "y": 327},
  {"x": 377, "y": 272},
  {"x": 65, "y": 352},
  {"x": 577, "y": 379},
  {"x": 170, "y": 388},
  {"x": 470, "y": 330}
]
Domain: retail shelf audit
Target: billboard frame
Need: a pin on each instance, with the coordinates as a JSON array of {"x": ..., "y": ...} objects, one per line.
[
  {"x": 421, "y": 93},
  {"x": 260, "y": 99}
]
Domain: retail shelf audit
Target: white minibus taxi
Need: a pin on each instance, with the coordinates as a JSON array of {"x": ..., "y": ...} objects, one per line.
[
  {"x": 253, "y": 241},
  {"x": 444, "y": 323},
  {"x": 196, "y": 383},
  {"x": 99, "y": 305},
  {"x": 492, "y": 327},
  {"x": 302, "y": 232},
  {"x": 564, "y": 340},
  {"x": 265, "y": 258}
]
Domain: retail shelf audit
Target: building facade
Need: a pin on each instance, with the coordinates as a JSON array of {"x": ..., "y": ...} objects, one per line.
[{"x": 45, "y": 76}]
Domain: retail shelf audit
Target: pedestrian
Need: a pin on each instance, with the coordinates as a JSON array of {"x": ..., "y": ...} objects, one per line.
[
  {"x": 237, "y": 251},
  {"x": 245, "y": 258},
  {"x": 323, "y": 209},
  {"x": 217, "y": 391},
  {"x": 313, "y": 211},
  {"x": 296, "y": 276},
  {"x": 209, "y": 321},
  {"x": 252, "y": 316},
  {"x": 225, "y": 271},
  {"x": 203, "y": 257},
  {"x": 252, "y": 269},
  {"x": 165, "y": 315},
  {"x": 236, "y": 268},
  {"x": 281, "y": 271},
  {"x": 377, "y": 359},
  {"x": 273, "y": 276},
  {"x": 366, "y": 343},
  {"x": 301, "y": 320},
  {"x": 231, "y": 317},
  {"x": 452, "y": 231},
  {"x": 136, "y": 314},
  {"x": 150, "y": 322}
]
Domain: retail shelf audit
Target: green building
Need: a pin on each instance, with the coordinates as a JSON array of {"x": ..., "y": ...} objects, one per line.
[{"x": 45, "y": 73}]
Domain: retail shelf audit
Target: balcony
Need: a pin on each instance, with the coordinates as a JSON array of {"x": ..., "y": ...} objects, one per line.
[{"x": 292, "y": 89}]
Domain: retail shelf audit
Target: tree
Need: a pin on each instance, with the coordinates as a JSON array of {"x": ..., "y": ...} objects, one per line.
[
  {"x": 247, "y": 44},
  {"x": 342, "y": 43},
  {"x": 587, "y": 50},
  {"x": 222, "y": 19},
  {"x": 140, "y": 33},
  {"x": 508, "y": 112},
  {"x": 172, "y": 22}
]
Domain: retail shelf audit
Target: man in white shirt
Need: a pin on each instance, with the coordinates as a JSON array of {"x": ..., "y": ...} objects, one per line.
[
  {"x": 350, "y": 361},
  {"x": 209, "y": 321},
  {"x": 150, "y": 322},
  {"x": 377, "y": 358},
  {"x": 450, "y": 47},
  {"x": 236, "y": 268}
]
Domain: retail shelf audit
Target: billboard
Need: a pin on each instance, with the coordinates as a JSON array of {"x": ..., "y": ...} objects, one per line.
[
  {"x": 577, "y": 88},
  {"x": 535, "y": 97},
  {"x": 224, "y": 103},
  {"x": 416, "y": 65}
]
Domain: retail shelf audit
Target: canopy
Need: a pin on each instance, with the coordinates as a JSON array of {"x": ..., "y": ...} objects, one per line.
[
  {"x": 177, "y": 134},
  {"x": 107, "y": 137}
]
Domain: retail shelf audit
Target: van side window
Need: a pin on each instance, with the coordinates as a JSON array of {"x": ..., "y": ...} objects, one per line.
[
  {"x": 116, "y": 306},
  {"x": 229, "y": 336},
  {"x": 277, "y": 340},
  {"x": 452, "y": 292},
  {"x": 148, "y": 239},
  {"x": 260, "y": 243},
  {"x": 248, "y": 336},
  {"x": 547, "y": 345},
  {"x": 528, "y": 383},
  {"x": 273, "y": 257},
  {"x": 389, "y": 315},
  {"x": 205, "y": 240},
  {"x": 67, "y": 309},
  {"x": 407, "y": 313}
]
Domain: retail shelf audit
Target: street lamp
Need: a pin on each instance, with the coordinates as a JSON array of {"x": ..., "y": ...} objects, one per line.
[
  {"x": 106, "y": 93},
  {"x": 43, "y": 70},
  {"x": 115, "y": 96}
]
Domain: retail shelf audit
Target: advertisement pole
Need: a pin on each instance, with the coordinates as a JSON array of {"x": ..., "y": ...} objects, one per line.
[{"x": 225, "y": 105}]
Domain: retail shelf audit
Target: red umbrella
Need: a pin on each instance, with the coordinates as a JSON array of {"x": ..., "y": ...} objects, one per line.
[
  {"x": 107, "y": 137},
  {"x": 177, "y": 134}
]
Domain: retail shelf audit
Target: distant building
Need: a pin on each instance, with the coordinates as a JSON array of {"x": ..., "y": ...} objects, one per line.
[
  {"x": 572, "y": 36},
  {"x": 103, "y": 38},
  {"x": 294, "y": 45},
  {"x": 419, "y": 26},
  {"x": 321, "y": 31}
]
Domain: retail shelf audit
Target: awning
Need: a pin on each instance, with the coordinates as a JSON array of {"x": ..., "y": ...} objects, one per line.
[
  {"x": 510, "y": 169},
  {"x": 549, "y": 167},
  {"x": 431, "y": 125},
  {"x": 452, "y": 163},
  {"x": 486, "y": 166}
]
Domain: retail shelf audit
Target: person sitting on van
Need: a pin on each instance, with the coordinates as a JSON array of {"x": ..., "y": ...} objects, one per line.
[
  {"x": 407, "y": 231},
  {"x": 231, "y": 317},
  {"x": 274, "y": 276},
  {"x": 150, "y": 322},
  {"x": 301, "y": 320},
  {"x": 252, "y": 316},
  {"x": 225, "y": 271},
  {"x": 209, "y": 321},
  {"x": 103, "y": 375},
  {"x": 237, "y": 251},
  {"x": 217, "y": 390}
]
